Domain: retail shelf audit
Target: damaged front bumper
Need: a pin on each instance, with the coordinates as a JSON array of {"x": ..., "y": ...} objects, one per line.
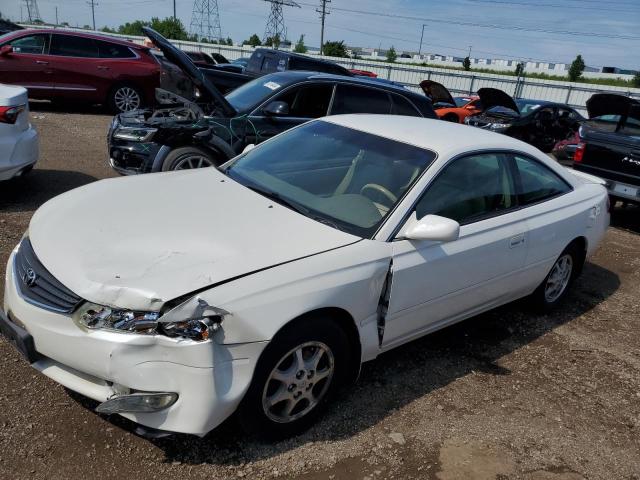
[{"x": 207, "y": 378}]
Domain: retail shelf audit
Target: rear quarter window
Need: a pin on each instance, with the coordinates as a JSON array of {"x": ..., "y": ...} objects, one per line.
[
  {"x": 113, "y": 50},
  {"x": 537, "y": 182}
]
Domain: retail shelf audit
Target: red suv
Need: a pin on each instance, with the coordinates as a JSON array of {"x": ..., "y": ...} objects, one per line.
[{"x": 65, "y": 65}]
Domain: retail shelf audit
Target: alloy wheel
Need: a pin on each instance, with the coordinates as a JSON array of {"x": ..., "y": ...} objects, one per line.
[
  {"x": 298, "y": 382},
  {"x": 558, "y": 278},
  {"x": 189, "y": 162},
  {"x": 126, "y": 99}
]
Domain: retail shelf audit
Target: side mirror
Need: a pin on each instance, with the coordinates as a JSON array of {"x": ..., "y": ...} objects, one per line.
[
  {"x": 430, "y": 227},
  {"x": 276, "y": 108},
  {"x": 5, "y": 50},
  {"x": 249, "y": 147}
]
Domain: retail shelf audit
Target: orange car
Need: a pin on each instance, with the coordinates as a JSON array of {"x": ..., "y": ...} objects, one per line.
[{"x": 447, "y": 107}]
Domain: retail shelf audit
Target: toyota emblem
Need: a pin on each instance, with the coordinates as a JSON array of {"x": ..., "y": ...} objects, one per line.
[{"x": 30, "y": 277}]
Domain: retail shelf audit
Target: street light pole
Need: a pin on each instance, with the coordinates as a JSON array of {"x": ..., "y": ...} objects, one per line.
[{"x": 421, "y": 37}]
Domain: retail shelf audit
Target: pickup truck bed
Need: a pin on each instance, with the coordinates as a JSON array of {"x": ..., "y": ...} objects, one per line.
[{"x": 610, "y": 149}]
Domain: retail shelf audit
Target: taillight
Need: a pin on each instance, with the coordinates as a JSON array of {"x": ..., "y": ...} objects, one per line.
[
  {"x": 10, "y": 114},
  {"x": 579, "y": 153}
]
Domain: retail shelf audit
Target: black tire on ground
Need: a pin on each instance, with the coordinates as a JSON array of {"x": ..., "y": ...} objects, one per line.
[
  {"x": 185, "y": 158},
  {"x": 124, "y": 97},
  {"x": 545, "y": 299},
  {"x": 322, "y": 330}
]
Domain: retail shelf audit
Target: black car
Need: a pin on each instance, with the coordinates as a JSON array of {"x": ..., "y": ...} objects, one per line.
[
  {"x": 208, "y": 132},
  {"x": 537, "y": 122},
  {"x": 610, "y": 144}
]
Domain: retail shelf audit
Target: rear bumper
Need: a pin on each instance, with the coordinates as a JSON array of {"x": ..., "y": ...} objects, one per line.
[
  {"x": 16, "y": 154},
  {"x": 617, "y": 187},
  {"x": 210, "y": 379}
]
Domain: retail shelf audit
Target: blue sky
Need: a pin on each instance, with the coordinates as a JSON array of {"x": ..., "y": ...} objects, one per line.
[{"x": 586, "y": 19}]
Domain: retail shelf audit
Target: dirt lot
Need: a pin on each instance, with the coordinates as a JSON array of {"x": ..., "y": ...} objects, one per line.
[{"x": 504, "y": 395}]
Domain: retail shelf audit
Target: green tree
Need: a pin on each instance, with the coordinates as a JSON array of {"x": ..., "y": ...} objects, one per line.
[
  {"x": 254, "y": 41},
  {"x": 334, "y": 49},
  {"x": 229, "y": 41},
  {"x": 133, "y": 28},
  {"x": 169, "y": 27},
  {"x": 300, "y": 46},
  {"x": 576, "y": 69},
  {"x": 392, "y": 56},
  {"x": 106, "y": 30},
  {"x": 466, "y": 63},
  {"x": 273, "y": 41},
  {"x": 519, "y": 69},
  {"x": 636, "y": 79}
]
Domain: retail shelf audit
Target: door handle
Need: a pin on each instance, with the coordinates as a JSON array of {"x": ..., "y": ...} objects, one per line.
[
  {"x": 102, "y": 67},
  {"x": 516, "y": 241},
  {"x": 42, "y": 62}
]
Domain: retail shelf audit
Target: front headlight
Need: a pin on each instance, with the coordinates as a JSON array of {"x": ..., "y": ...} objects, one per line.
[
  {"x": 99, "y": 317},
  {"x": 136, "y": 134},
  {"x": 499, "y": 126}
]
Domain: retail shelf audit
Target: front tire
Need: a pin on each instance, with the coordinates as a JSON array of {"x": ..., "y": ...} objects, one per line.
[
  {"x": 296, "y": 376},
  {"x": 555, "y": 287},
  {"x": 188, "y": 158}
]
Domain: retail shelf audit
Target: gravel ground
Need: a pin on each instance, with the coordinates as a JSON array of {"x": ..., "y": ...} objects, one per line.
[{"x": 507, "y": 394}]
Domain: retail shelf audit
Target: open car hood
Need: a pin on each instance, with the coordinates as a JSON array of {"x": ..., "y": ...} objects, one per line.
[
  {"x": 182, "y": 61},
  {"x": 612, "y": 104},
  {"x": 437, "y": 92},
  {"x": 492, "y": 97}
]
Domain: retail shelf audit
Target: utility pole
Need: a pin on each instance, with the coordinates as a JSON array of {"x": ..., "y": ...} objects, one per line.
[
  {"x": 470, "y": 51},
  {"x": 174, "y": 10},
  {"x": 56, "y": 15},
  {"x": 323, "y": 13},
  {"x": 93, "y": 12},
  {"x": 421, "y": 37}
]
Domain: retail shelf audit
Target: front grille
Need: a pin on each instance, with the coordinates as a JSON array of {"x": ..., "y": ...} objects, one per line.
[{"x": 37, "y": 286}]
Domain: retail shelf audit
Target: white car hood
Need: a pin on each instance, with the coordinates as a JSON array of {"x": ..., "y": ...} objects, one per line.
[{"x": 137, "y": 242}]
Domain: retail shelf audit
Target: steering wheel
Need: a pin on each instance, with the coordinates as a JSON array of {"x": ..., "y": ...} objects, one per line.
[{"x": 379, "y": 188}]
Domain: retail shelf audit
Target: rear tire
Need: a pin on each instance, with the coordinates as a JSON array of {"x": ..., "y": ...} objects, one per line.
[
  {"x": 124, "y": 98},
  {"x": 555, "y": 286},
  {"x": 188, "y": 158},
  {"x": 288, "y": 394}
]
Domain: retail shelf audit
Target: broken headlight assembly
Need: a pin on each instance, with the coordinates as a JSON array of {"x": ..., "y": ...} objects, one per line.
[
  {"x": 99, "y": 317},
  {"x": 136, "y": 134}
]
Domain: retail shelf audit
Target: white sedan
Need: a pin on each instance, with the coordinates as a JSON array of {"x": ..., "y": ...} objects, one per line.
[
  {"x": 177, "y": 299},
  {"x": 18, "y": 138}
]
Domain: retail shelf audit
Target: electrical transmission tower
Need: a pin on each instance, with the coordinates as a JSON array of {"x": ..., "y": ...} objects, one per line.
[
  {"x": 275, "y": 22},
  {"x": 32, "y": 10},
  {"x": 323, "y": 11},
  {"x": 205, "y": 20}
]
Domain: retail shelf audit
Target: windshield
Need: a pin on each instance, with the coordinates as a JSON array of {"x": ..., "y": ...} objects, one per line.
[
  {"x": 342, "y": 177},
  {"x": 250, "y": 94},
  {"x": 527, "y": 106}
]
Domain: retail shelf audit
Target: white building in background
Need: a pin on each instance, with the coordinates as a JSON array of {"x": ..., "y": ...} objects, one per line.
[{"x": 488, "y": 63}]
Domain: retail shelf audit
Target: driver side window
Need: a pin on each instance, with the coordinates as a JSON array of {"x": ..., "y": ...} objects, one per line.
[
  {"x": 470, "y": 189},
  {"x": 308, "y": 101}
]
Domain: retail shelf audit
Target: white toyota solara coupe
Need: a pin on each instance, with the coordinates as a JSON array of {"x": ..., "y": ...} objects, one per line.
[{"x": 177, "y": 299}]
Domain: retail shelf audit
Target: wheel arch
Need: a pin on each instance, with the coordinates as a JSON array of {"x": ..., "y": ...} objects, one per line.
[
  {"x": 581, "y": 244},
  {"x": 345, "y": 321}
]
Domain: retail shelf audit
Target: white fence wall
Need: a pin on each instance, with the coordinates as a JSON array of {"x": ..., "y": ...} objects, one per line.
[{"x": 457, "y": 81}]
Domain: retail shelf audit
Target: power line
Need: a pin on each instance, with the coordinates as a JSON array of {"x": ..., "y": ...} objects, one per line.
[
  {"x": 205, "y": 20},
  {"x": 93, "y": 12},
  {"x": 484, "y": 25},
  {"x": 275, "y": 23},
  {"x": 323, "y": 13},
  {"x": 551, "y": 5}
]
